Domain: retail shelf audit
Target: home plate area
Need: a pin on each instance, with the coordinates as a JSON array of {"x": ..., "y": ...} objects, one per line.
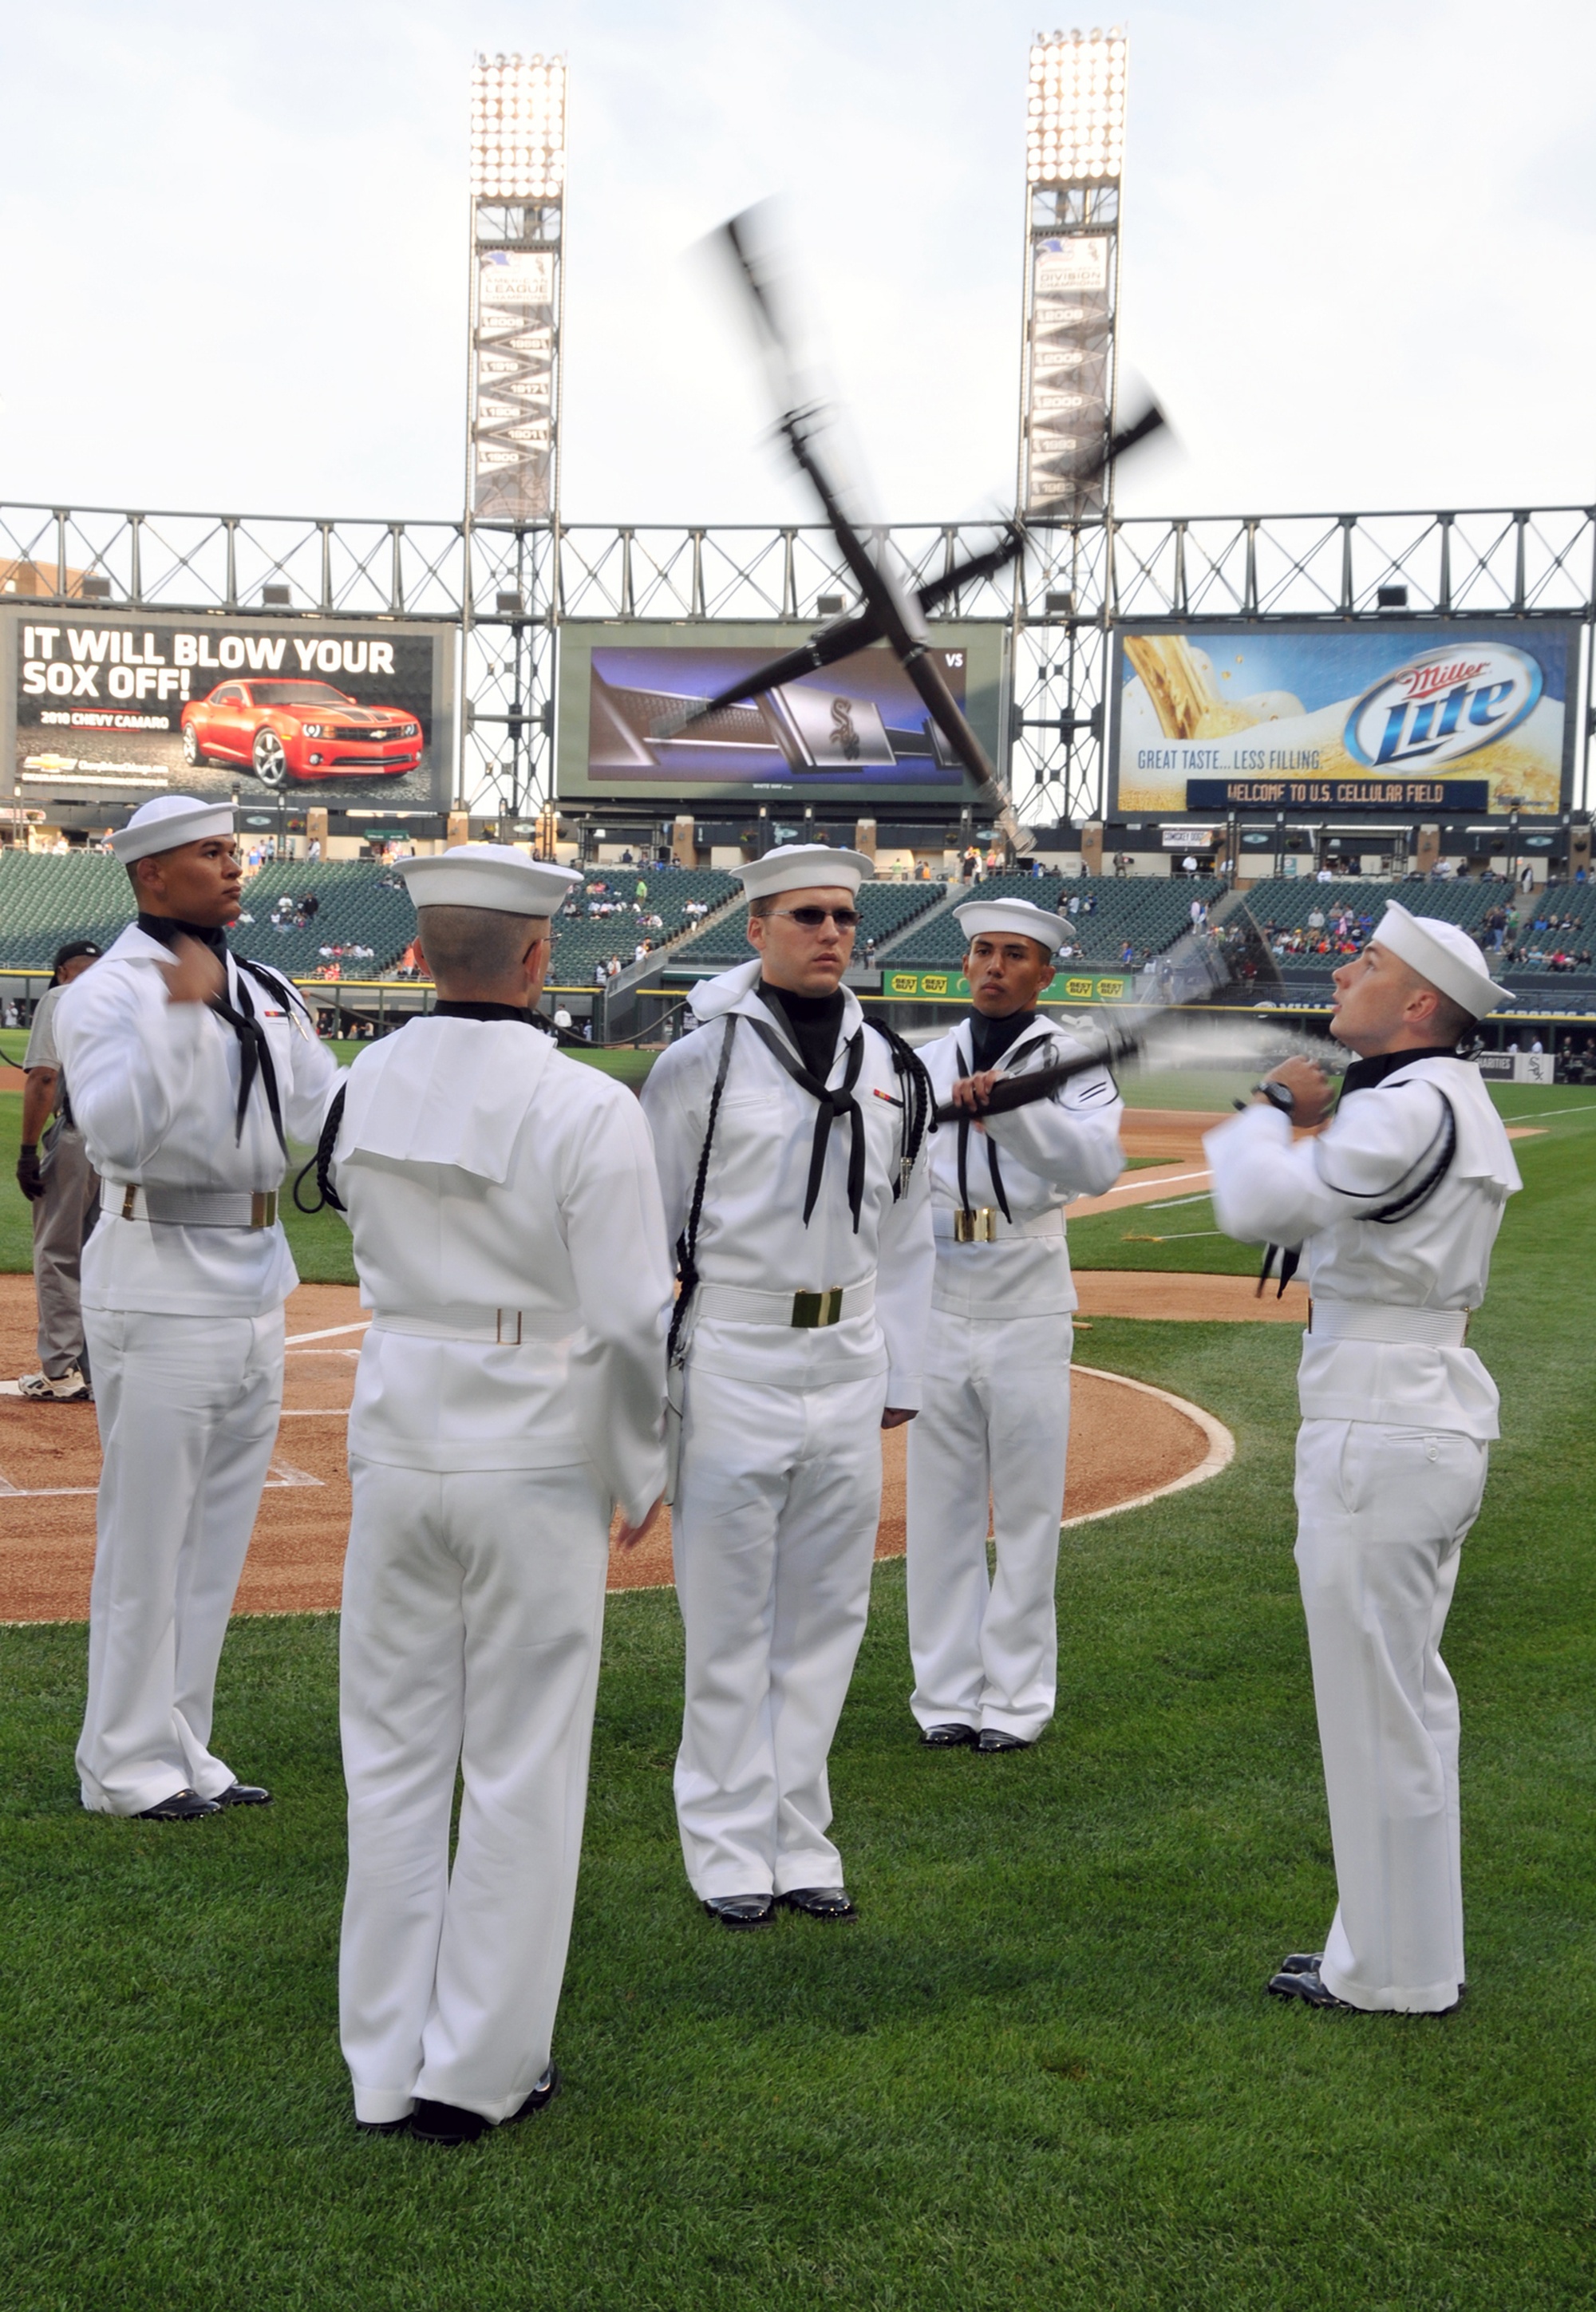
[{"x": 1128, "y": 1443}]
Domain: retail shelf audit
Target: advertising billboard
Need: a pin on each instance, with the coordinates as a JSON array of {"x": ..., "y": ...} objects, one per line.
[
  {"x": 1454, "y": 715},
  {"x": 114, "y": 707},
  {"x": 857, "y": 730},
  {"x": 1068, "y": 384}
]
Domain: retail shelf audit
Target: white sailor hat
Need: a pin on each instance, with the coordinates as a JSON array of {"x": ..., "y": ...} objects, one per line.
[
  {"x": 1013, "y": 915},
  {"x": 804, "y": 867},
  {"x": 492, "y": 875},
  {"x": 1444, "y": 956},
  {"x": 165, "y": 821}
]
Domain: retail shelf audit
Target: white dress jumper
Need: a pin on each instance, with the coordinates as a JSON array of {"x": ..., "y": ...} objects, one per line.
[
  {"x": 1396, "y": 1208},
  {"x": 508, "y": 1239},
  {"x": 800, "y": 1338},
  {"x": 993, "y": 1433},
  {"x": 183, "y": 1322}
]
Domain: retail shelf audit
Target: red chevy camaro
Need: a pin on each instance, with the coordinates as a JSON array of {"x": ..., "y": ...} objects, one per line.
[{"x": 286, "y": 730}]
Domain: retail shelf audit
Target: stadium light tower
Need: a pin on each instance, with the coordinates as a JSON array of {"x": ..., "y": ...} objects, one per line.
[
  {"x": 1073, "y": 158},
  {"x": 518, "y": 183},
  {"x": 512, "y": 435}
]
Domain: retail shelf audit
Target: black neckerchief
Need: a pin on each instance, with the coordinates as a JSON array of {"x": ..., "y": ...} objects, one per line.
[
  {"x": 833, "y": 1105},
  {"x": 254, "y": 1052},
  {"x": 814, "y": 1020},
  {"x": 1362, "y": 1075},
  {"x": 446, "y": 1009},
  {"x": 989, "y": 1039}
]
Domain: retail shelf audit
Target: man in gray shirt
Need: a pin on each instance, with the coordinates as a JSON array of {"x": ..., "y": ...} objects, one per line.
[{"x": 54, "y": 1173}]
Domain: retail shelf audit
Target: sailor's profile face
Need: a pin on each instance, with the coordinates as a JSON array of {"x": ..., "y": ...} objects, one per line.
[
  {"x": 1376, "y": 995},
  {"x": 807, "y": 958},
  {"x": 1006, "y": 973},
  {"x": 195, "y": 883}
]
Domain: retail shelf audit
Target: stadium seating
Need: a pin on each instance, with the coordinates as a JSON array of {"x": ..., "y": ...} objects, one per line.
[
  {"x": 884, "y": 908},
  {"x": 583, "y": 941},
  {"x": 1149, "y": 912},
  {"x": 359, "y": 903},
  {"x": 47, "y": 899}
]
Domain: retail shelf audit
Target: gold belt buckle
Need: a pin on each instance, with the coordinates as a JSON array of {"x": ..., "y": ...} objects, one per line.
[
  {"x": 977, "y": 1227},
  {"x": 812, "y": 1308},
  {"x": 505, "y": 1339},
  {"x": 129, "y": 1200},
  {"x": 263, "y": 1208}
]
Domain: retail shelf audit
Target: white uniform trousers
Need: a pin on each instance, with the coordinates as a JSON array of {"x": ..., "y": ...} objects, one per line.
[
  {"x": 473, "y": 1611},
  {"x": 188, "y": 1408},
  {"x": 776, "y": 1507},
  {"x": 1381, "y": 1513},
  {"x": 995, "y": 1430}
]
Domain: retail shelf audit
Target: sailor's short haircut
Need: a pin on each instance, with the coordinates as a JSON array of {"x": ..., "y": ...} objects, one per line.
[
  {"x": 1452, "y": 1024},
  {"x": 475, "y": 942}
]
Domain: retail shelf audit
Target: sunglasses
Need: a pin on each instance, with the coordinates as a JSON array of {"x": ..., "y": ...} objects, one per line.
[{"x": 812, "y": 918}]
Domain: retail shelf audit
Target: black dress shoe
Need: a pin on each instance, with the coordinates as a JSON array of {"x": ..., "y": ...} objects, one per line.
[
  {"x": 993, "y": 1739},
  {"x": 949, "y": 1738},
  {"x": 243, "y": 1795},
  {"x": 743, "y": 1909},
  {"x": 446, "y": 2124},
  {"x": 1301, "y": 1962},
  {"x": 182, "y": 1806},
  {"x": 1305, "y": 1983},
  {"x": 829, "y": 1903},
  {"x": 540, "y": 2098}
]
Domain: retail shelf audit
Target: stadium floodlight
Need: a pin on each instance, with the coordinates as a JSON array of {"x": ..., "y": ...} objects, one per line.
[
  {"x": 517, "y": 128},
  {"x": 1074, "y": 156},
  {"x": 1076, "y": 130}
]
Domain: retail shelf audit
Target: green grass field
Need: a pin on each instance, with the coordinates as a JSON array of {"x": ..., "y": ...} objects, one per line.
[{"x": 1040, "y": 2072}]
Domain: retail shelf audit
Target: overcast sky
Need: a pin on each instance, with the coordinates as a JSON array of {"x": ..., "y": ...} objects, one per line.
[{"x": 1359, "y": 251}]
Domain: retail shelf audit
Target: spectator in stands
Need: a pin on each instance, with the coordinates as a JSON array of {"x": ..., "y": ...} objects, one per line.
[
  {"x": 614, "y": 970},
  {"x": 642, "y": 889},
  {"x": 63, "y": 1190},
  {"x": 600, "y": 974}
]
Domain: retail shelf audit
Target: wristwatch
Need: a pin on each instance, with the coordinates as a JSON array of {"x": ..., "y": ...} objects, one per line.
[{"x": 1278, "y": 1095}]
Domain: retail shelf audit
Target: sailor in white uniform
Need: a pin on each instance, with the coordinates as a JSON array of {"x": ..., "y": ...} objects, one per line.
[
  {"x": 995, "y": 1423},
  {"x": 188, "y": 1067},
  {"x": 1395, "y": 1208},
  {"x": 509, "y": 1240},
  {"x": 790, "y": 1136}
]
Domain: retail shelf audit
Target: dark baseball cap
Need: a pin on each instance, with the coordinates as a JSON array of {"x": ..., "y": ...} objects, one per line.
[{"x": 71, "y": 950}]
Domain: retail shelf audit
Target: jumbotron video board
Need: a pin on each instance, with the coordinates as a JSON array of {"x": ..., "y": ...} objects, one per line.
[
  {"x": 115, "y": 706},
  {"x": 856, "y": 731},
  {"x": 1472, "y": 715}
]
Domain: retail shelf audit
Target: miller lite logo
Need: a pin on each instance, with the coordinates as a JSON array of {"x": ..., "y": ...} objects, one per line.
[{"x": 1442, "y": 706}]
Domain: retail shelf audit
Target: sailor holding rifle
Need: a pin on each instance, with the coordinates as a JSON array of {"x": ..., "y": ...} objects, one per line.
[
  {"x": 995, "y": 1425},
  {"x": 1395, "y": 1207},
  {"x": 790, "y": 1135},
  {"x": 188, "y": 1066},
  {"x": 508, "y": 1236}
]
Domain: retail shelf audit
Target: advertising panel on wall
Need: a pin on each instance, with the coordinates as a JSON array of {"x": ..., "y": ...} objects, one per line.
[
  {"x": 1414, "y": 717},
  {"x": 856, "y": 731},
  {"x": 117, "y": 706},
  {"x": 1068, "y": 378}
]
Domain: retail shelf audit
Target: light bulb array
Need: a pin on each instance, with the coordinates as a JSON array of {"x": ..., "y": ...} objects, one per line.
[
  {"x": 1076, "y": 128},
  {"x": 517, "y": 128}
]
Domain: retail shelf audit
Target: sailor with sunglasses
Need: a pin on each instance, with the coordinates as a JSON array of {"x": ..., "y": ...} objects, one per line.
[
  {"x": 997, "y": 1354},
  {"x": 789, "y": 1134}
]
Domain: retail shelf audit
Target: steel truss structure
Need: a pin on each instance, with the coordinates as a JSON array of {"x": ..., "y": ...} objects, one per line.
[{"x": 509, "y": 586}]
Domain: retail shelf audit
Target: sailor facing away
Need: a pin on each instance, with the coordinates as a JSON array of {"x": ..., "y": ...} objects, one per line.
[
  {"x": 187, "y": 1068},
  {"x": 789, "y": 1134},
  {"x": 1395, "y": 1207},
  {"x": 509, "y": 1241},
  {"x": 994, "y": 1421}
]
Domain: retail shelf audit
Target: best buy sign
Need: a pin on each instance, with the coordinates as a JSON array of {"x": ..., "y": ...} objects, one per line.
[{"x": 953, "y": 987}]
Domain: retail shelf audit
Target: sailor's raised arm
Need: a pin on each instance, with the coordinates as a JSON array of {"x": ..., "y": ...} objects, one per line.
[
  {"x": 615, "y": 1232},
  {"x": 130, "y": 1057},
  {"x": 313, "y": 1078},
  {"x": 1270, "y": 1189}
]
